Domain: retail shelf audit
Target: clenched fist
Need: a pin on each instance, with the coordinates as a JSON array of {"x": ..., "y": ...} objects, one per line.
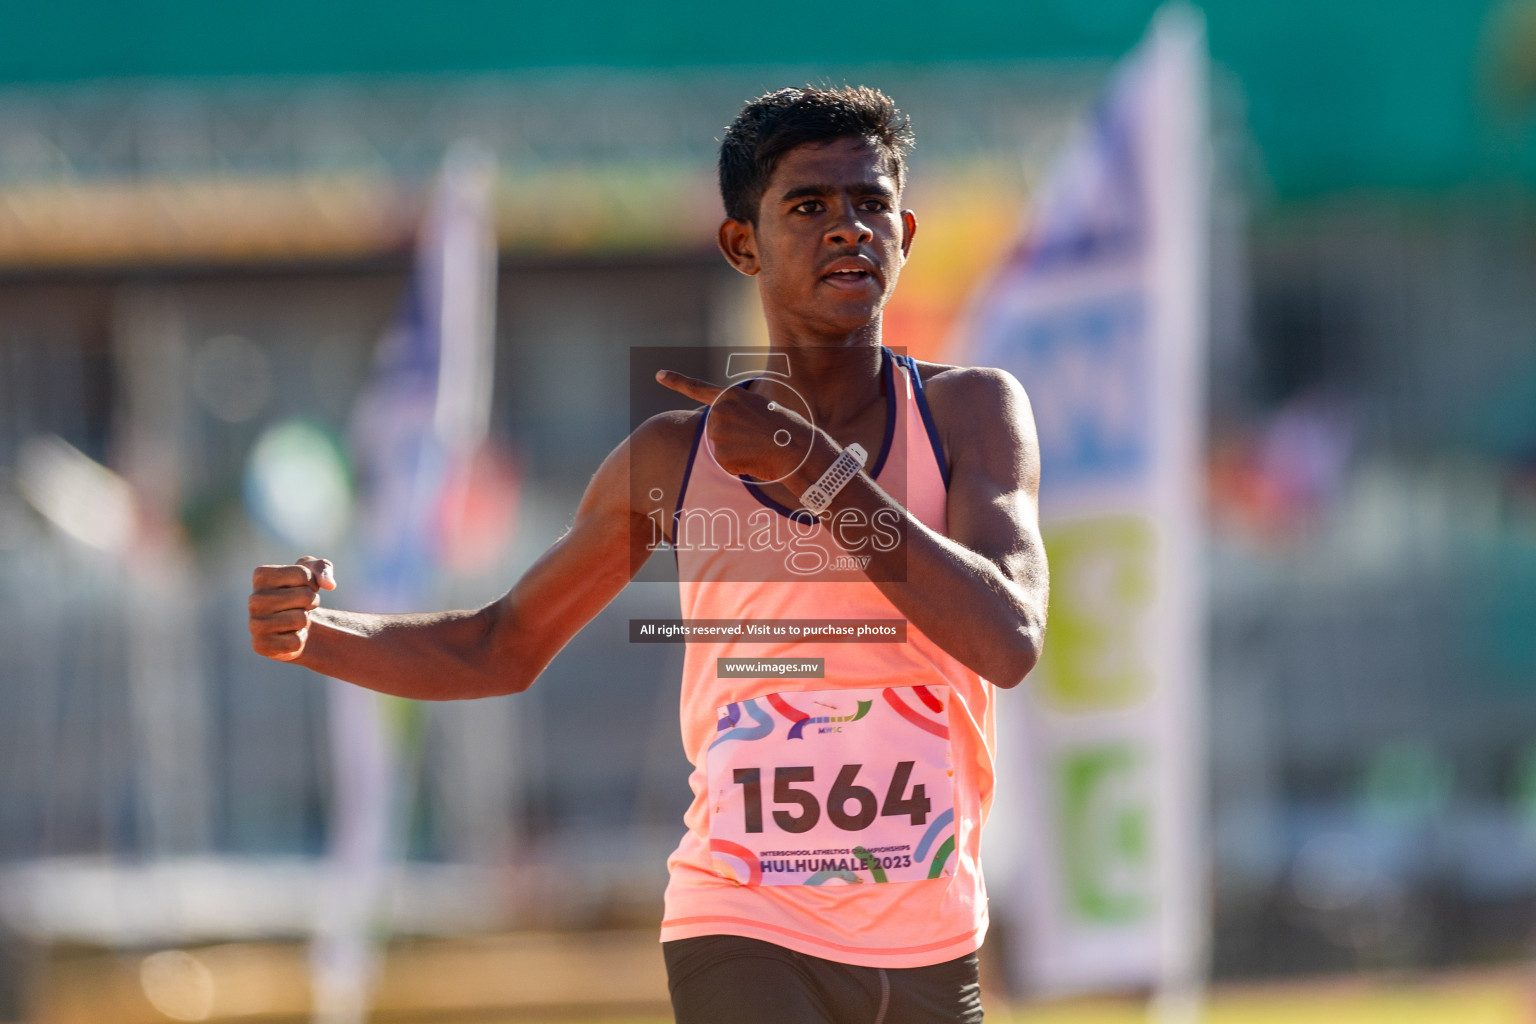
[{"x": 282, "y": 598}]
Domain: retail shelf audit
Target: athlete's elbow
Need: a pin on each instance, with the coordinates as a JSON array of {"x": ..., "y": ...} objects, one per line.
[
  {"x": 513, "y": 680},
  {"x": 505, "y": 676},
  {"x": 510, "y": 657},
  {"x": 1017, "y": 655},
  {"x": 495, "y": 661}
]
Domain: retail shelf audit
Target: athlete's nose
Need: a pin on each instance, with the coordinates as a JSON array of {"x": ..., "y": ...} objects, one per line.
[{"x": 848, "y": 229}]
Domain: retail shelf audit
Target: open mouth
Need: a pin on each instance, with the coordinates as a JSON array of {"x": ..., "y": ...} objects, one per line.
[{"x": 847, "y": 277}]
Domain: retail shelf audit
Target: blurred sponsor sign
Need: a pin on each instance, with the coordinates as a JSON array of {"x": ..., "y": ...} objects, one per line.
[{"x": 1100, "y": 313}]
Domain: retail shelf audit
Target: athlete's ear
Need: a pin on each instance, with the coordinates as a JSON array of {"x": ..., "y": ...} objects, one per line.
[
  {"x": 738, "y": 241},
  {"x": 908, "y": 231}
]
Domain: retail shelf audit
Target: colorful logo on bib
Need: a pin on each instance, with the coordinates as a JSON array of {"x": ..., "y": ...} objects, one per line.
[
  {"x": 729, "y": 726},
  {"x": 736, "y": 862},
  {"x": 947, "y": 847},
  {"x": 827, "y": 723},
  {"x": 913, "y": 715}
]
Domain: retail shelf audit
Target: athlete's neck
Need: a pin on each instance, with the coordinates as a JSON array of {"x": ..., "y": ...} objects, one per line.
[{"x": 839, "y": 378}]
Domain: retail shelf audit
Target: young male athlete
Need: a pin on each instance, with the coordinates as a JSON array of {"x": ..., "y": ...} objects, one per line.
[{"x": 830, "y": 870}]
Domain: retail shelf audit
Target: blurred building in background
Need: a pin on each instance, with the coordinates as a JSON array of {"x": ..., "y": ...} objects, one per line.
[{"x": 205, "y": 225}]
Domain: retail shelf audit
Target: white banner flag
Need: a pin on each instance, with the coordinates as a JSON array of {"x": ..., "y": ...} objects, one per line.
[
  {"x": 421, "y": 414},
  {"x": 1100, "y": 313}
]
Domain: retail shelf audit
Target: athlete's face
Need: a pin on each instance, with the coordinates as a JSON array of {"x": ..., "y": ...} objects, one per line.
[{"x": 829, "y": 241}]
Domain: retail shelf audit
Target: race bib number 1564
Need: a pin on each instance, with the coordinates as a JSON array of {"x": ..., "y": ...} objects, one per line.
[{"x": 833, "y": 786}]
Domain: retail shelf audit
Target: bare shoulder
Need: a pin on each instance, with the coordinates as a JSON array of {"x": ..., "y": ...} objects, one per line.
[
  {"x": 667, "y": 434},
  {"x": 970, "y": 399},
  {"x": 657, "y": 453}
]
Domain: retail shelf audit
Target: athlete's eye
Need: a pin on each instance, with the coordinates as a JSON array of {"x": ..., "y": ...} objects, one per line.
[
  {"x": 810, "y": 206},
  {"x": 875, "y": 205}
]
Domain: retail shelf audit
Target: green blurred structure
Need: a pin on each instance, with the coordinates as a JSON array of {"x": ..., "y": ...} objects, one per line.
[{"x": 1359, "y": 94}]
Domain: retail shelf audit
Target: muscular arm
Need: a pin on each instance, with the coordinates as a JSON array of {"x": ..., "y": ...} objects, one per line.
[
  {"x": 979, "y": 593},
  {"x": 502, "y": 647}
]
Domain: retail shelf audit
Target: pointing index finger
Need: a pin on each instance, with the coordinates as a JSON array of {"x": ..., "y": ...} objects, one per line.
[{"x": 698, "y": 390}]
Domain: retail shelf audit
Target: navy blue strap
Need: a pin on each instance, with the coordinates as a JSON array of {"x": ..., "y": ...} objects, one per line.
[{"x": 927, "y": 414}]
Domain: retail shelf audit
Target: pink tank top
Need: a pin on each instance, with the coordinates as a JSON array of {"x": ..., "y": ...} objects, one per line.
[{"x": 907, "y": 923}]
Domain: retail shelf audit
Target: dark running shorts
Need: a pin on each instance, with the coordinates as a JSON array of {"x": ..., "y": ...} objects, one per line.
[{"x": 726, "y": 979}]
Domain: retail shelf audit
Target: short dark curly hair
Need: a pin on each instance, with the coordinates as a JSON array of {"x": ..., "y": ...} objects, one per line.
[{"x": 777, "y": 122}]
